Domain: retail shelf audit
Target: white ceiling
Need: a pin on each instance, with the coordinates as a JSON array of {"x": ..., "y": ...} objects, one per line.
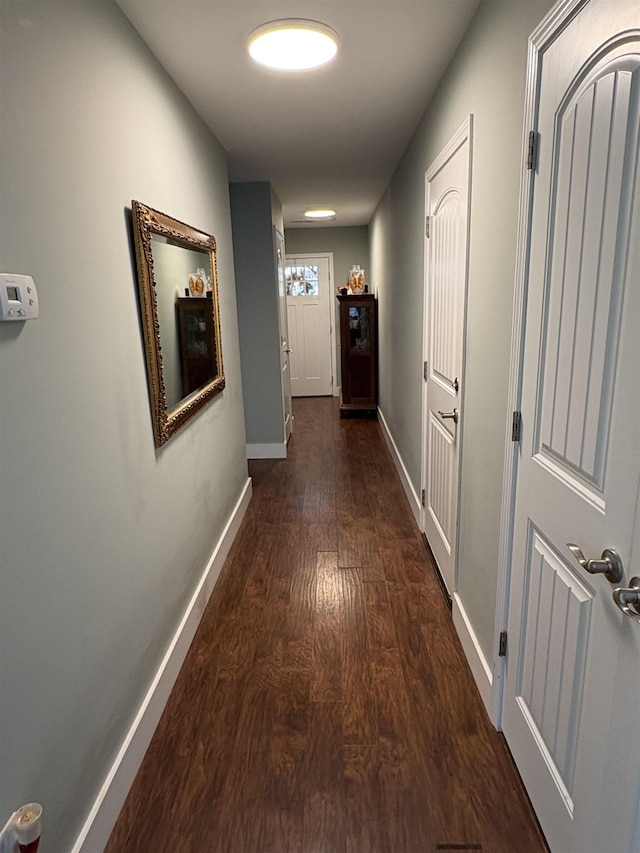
[{"x": 326, "y": 138}]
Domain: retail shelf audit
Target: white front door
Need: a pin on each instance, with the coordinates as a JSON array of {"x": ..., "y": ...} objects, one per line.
[
  {"x": 309, "y": 319},
  {"x": 446, "y": 240},
  {"x": 572, "y": 687},
  {"x": 284, "y": 338}
]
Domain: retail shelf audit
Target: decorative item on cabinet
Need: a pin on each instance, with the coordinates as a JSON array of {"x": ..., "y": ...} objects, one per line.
[
  {"x": 198, "y": 283},
  {"x": 359, "y": 354},
  {"x": 356, "y": 280}
]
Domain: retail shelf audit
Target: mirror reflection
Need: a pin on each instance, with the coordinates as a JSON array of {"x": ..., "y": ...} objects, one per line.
[
  {"x": 185, "y": 320},
  {"x": 178, "y": 295}
]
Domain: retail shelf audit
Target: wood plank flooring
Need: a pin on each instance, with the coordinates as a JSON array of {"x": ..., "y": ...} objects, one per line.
[{"x": 325, "y": 705}]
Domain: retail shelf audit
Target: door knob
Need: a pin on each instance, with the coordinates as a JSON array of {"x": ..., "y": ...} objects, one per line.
[
  {"x": 628, "y": 600},
  {"x": 609, "y": 565},
  {"x": 453, "y": 416}
]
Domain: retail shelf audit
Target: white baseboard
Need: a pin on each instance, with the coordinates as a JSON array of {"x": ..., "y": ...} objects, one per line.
[
  {"x": 337, "y": 390},
  {"x": 110, "y": 800},
  {"x": 267, "y": 451},
  {"x": 480, "y": 668},
  {"x": 410, "y": 492}
]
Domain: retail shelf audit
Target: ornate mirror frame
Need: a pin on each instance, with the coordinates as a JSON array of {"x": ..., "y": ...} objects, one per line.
[{"x": 146, "y": 223}]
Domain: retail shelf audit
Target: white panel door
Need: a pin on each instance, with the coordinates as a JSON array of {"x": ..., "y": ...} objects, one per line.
[
  {"x": 308, "y": 307},
  {"x": 447, "y": 210},
  {"x": 284, "y": 338},
  {"x": 570, "y": 709}
]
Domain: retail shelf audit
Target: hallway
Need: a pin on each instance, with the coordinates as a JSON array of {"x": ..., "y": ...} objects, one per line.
[{"x": 325, "y": 704}]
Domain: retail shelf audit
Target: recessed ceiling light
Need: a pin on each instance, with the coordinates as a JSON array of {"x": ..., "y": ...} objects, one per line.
[
  {"x": 318, "y": 213},
  {"x": 293, "y": 44}
]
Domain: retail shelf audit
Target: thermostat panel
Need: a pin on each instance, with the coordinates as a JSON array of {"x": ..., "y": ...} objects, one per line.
[{"x": 18, "y": 297}]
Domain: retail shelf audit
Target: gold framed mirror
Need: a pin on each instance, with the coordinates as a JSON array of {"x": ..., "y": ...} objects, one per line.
[{"x": 178, "y": 287}]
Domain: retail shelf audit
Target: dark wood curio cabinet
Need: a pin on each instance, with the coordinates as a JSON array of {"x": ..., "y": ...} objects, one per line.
[
  {"x": 197, "y": 342},
  {"x": 359, "y": 354}
]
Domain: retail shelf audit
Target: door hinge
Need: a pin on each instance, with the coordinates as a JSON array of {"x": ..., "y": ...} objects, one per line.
[
  {"x": 423, "y": 498},
  {"x": 532, "y": 153},
  {"x": 516, "y": 425},
  {"x": 427, "y": 227},
  {"x": 425, "y": 370},
  {"x": 502, "y": 648}
]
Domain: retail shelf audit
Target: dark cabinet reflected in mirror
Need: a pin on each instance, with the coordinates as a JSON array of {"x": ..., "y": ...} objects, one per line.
[
  {"x": 177, "y": 279},
  {"x": 197, "y": 343}
]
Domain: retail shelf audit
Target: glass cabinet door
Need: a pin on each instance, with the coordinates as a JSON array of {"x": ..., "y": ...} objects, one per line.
[
  {"x": 196, "y": 332},
  {"x": 359, "y": 325},
  {"x": 197, "y": 342}
]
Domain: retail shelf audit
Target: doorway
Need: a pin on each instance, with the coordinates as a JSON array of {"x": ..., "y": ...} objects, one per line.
[
  {"x": 310, "y": 322},
  {"x": 572, "y": 484},
  {"x": 285, "y": 349},
  {"x": 447, "y": 187}
]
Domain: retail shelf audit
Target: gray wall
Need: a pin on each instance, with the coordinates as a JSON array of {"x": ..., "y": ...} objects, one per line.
[
  {"x": 349, "y": 246},
  {"x": 103, "y": 538},
  {"x": 485, "y": 78},
  {"x": 255, "y": 210}
]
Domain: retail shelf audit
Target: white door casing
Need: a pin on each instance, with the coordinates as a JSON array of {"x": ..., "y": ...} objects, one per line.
[
  {"x": 284, "y": 338},
  {"x": 310, "y": 325},
  {"x": 447, "y": 186},
  {"x": 569, "y": 702}
]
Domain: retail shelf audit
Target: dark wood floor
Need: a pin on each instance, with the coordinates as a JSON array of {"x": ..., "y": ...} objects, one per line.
[{"x": 325, "y": 705}]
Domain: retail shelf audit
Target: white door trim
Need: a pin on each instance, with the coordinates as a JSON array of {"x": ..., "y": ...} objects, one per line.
[
  {"x": 463, "y": 134},
  {"x": 332, "y": 310},
  {"x": 554, "y": 21},
  {"x": 287, "y": 414}
]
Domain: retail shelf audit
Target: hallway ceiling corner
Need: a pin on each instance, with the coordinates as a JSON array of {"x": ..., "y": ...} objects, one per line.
[{"x": 330, "y": 137}]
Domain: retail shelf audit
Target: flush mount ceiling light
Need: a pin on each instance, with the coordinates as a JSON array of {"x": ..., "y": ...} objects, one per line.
[
  {"x": 293, "y": 44},
  {"x": 318, "y": 213}
]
